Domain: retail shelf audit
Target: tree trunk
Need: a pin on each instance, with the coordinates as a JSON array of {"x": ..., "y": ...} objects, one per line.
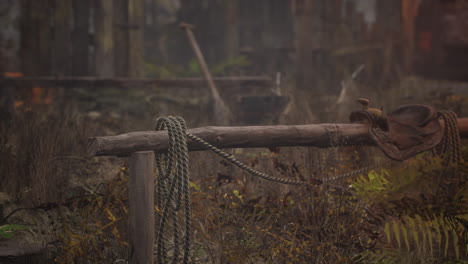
[
  {"x": 62, "y": 41},
  {"x": 35, "y": 37},
  {"x": 104, "y": 53},
  {"x": 80, "y": 38},
  {"x": 120, "y": 9},
  {"x": 409, "y": 12},
  {"x": 136, "y": 23},
  {"x": 232, "y": 28},
  {"x": 9, "y": 56},
  {"x": 309, "y": 41}
]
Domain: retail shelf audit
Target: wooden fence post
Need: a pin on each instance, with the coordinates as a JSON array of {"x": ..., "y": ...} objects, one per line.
[{"x": 141, "y": 210}]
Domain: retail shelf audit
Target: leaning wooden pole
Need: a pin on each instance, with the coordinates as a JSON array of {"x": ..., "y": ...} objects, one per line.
[
  {"x": 319, "y": 135},
  {"x": 221, "y": 110},
  {"x": 141, "y": 211}
]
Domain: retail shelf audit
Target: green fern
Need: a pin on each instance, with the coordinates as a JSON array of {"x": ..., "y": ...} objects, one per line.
[{"x": 422, "y": 231}]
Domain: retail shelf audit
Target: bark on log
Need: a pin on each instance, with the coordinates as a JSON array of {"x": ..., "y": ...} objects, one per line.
[
  {"x": 258, "y": 81},
  {"x": 323, "y": 135},
  {"x": 320, "y": 135}
]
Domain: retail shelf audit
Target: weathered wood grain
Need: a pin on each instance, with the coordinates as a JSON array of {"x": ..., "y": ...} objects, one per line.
[
  {"x": 323, "y": 135},
  {"x": 319, "y": 135},
  {"x": 141, "y": 211}
]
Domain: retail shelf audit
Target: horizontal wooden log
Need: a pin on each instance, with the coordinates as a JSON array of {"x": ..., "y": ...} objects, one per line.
[
  {"x": 320, "y": 135},
  {"x": 66, "y": 82}
]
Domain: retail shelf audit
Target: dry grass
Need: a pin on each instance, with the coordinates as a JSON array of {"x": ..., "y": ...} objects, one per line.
[{"x": 36, "y": 149}]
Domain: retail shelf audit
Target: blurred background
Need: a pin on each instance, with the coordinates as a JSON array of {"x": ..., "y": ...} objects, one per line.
[{"x": 305, "y": 50}]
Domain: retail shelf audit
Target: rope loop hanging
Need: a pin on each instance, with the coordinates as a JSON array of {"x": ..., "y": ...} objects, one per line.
[{"x": 173, "y": 190}]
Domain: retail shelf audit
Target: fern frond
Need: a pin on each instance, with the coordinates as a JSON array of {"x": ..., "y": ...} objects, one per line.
[
  {"x": 387, "y": 232},
  {"x": 414, "y": 231},
  {"x": 436, "y": 225},
  {"x": 419, "y": 232},
  {"x": 445, "y": 228},
  {"x": 455, "y": 243},
  {"x": 405, "y": 236},
  {"x": 429, "y": 235},
  {"x": 396, "y": 229}
]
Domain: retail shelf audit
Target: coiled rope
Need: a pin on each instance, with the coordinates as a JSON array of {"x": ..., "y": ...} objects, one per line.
[{"x": 173, "y": 189}]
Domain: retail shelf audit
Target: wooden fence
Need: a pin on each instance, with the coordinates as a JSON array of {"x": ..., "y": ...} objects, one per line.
[{"x": 140, "y": 147}]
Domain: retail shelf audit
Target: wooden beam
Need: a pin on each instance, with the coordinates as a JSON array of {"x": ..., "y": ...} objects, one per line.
[
  {"x": 320, "y": 135},
  {"x": 258, "y": 81},
  {"x": 323, "y": 135},
  {"x": 141, "y": 210}
]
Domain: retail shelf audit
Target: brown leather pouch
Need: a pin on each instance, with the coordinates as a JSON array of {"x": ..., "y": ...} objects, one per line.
[{"x": 405, "y": 132}]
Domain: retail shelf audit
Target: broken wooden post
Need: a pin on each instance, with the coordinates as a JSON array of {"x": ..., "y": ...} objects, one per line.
[{"x": 141, "y": 210}]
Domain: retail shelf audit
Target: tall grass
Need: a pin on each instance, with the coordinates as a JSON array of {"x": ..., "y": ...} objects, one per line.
[{"x": 33, "y": 149}]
